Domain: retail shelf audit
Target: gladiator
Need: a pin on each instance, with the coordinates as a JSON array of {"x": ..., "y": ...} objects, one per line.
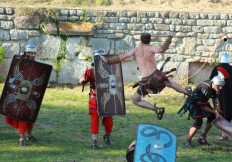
[
  {"x": 153, "y": 80},
  {"x": 199, "y": 107}
]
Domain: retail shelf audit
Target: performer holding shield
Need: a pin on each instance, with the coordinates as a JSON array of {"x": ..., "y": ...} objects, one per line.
[
  {"x": 199, "y": 107},
  {"x": 107, "y": 121},
  {"x": 224, "y": 70},
  {"x": 153, "y": 80},
  {"x": 23, "y": 92}
]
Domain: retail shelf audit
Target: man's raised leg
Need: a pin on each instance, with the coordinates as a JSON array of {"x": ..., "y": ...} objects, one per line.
[
  {"x": 187, "y": 90},
  {"x": 137, "y": 100}
]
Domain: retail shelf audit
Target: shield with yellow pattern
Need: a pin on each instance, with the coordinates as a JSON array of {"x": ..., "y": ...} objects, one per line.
[
  {"x": 24, "y": 89},
  {"x": 109, "y": 87}
]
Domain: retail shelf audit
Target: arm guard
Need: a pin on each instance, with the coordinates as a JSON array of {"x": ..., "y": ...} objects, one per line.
[
  {"x": 113, "y": 60},
  {"x": 166, "y": 44}
]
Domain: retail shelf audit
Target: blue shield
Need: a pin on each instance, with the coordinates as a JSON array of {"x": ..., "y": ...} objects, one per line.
[{"x": 154, "y": 144}]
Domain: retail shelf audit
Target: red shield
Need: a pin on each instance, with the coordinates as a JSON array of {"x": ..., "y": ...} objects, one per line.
[
  {"x": 109, "y": 87},
  {"x": 24, "y": 89}
]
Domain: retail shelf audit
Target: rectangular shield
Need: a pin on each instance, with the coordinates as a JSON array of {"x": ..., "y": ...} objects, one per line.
[
  {"x": 154, "y": 143},
  {"x": 223, "y": 125},
  {"x": 109, "y": 87},
  {"x": 24, "y": 89}
]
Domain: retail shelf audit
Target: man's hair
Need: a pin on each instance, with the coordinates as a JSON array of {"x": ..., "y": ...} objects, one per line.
[{"x": 146, "y": 38}]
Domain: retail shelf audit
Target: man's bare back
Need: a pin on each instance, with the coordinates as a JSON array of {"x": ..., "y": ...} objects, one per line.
[{"x": 145, "y": 58}]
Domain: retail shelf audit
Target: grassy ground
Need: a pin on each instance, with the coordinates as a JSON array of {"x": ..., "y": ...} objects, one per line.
[{"x": 62, "y": 128}]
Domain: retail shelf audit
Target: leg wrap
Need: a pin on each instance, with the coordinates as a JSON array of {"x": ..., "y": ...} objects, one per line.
[
  {"x": 166, "y": 44},
  {"x": 113, "y": 59}
]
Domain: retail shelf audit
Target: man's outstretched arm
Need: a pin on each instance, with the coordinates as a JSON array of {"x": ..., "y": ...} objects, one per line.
[
  {"x": 164, "y": 47},
  {"x": 118, "y": 58}
]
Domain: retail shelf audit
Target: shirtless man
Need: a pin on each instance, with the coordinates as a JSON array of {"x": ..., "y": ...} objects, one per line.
[{"x": 153, "y": 80}]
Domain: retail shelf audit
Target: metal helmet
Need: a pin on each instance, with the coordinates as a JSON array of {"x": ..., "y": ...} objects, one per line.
[
  {"x": 30, "y": 47},
  {"x": 218, "y": 81},
  {"x": 30, "y": 51},
  {"x": 225, "y": 58},
  {"x": 99, "y": 52}
]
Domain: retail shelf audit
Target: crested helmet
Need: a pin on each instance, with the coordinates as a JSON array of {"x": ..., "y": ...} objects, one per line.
[
  {"x": 225, "y": 58},
  {"x": 218, "y": 81}
]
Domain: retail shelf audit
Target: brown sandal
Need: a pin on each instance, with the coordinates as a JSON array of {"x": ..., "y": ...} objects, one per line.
[
  {"x": 202, "y": 140},
  {"x": 159, "y": 112}
]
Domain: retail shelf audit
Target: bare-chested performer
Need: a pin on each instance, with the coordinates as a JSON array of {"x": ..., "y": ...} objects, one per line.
[{"x": 153, "y": 81}]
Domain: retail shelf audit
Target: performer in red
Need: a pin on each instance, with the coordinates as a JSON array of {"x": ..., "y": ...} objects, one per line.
[
  {"x": 24, "y": 127},
  {"x": 89, "y": 77},
  {"x": 224, "y": 70}
]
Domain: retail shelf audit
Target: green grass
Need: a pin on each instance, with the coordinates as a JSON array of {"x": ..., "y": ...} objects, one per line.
[{"x": 62, "y": 128}]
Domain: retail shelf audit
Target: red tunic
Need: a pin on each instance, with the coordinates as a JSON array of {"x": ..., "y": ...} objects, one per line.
[
  {"x": 106, "y": 121},
  {"x": 20, "y": 125},
  {"x": 90, "y": 78}
]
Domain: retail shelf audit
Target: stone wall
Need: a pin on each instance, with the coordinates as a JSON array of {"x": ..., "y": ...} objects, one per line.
[{"x": 118, "y": 32}]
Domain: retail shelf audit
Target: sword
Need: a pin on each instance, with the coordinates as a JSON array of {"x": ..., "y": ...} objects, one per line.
[
  {"x": 165, "y": 62},
  {"x": 83, "y": 83}
]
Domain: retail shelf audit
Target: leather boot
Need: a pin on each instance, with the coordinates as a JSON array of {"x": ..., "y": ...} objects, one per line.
[{"x": 188, "y": 143}]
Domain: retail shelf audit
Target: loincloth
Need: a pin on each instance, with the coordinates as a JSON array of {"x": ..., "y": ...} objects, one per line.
[{"x": 153, "y": 83}]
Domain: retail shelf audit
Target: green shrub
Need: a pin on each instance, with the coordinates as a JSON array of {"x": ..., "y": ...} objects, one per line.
[
  {"x": 2, "y": 53},
  {"x": 61, "y": 55}
]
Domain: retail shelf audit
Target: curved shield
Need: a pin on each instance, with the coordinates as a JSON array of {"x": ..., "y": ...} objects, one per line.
[
  {"x": 109, "y": 87},
  {"x": 223, "y": 125},
  {"x": 24, "y": 89},
  {"x": 154, "y": 143}
]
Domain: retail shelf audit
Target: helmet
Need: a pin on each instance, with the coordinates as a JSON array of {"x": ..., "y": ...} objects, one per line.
[
  {"x": 30, "y": 51},
  {"x": 218, "y": 81},
  {"x": 99, "y": 52},
  {"x": 30, "y": 47},
  {"x": 225, "y": 58}
]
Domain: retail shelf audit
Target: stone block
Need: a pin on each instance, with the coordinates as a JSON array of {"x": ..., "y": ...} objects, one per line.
[
  {"x": 19, "y": 34},
  {"x": 7, "y": 25},
  {"x": 27, "y": 21},
  {"x": 4, "y": 35},
  {"x": 72, "y": 70},
  {"x": 130, "y": 71},
  {"x": 101, "y": 44},
  {"x": 11, "y": 48},
  {"x": 72, "y": 47},
  {"x": 47, "y": 46}
]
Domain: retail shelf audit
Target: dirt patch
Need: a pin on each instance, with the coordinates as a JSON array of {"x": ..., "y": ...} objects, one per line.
[{"x": 214, "y": 6}]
